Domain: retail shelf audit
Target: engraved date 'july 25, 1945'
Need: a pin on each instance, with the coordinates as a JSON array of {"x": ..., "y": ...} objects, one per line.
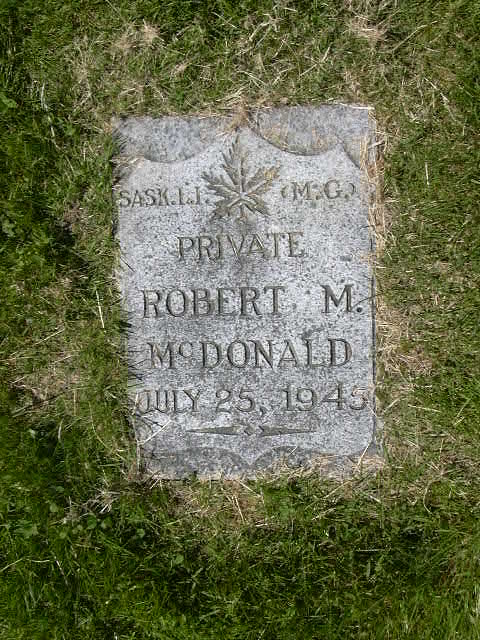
[{"x": 245, "y": 401}]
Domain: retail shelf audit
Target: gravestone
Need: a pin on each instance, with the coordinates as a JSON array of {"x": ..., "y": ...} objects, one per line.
[{"x": 246, "y": 275}]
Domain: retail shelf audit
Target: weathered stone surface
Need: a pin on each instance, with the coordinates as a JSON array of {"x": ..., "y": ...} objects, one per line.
[{"x": 246, "y": 273}]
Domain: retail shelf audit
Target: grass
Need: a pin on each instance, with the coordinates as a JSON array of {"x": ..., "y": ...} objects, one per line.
[{"x": 88, "y": 549}]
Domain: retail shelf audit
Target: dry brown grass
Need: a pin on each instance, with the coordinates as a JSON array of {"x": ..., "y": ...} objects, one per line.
[
  {"x": 228, "y": 504},
  {"x": 360, "y": 27}
]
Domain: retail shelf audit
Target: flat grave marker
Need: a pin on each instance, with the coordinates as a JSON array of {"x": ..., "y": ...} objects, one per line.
[{"x": 246, "y": 274}]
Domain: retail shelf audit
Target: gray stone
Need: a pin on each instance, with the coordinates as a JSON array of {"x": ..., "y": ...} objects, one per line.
[{"x": 246, "y": 274}]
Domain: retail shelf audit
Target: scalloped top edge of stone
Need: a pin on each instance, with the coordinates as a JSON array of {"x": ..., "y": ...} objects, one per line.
[{"x": 302, "y": 130}]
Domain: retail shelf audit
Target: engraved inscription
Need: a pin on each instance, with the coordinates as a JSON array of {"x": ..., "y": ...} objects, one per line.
[
  {"x": 244, "y": 400},
  {"x": 267, "y": 246},
  {"x": 330, "y": 190},
  {"x": 245, "y": 302},
  {"x": 298, "y": 353},
  {"x": 159, "y": 196},
  {"x": 336, "y": 300}
]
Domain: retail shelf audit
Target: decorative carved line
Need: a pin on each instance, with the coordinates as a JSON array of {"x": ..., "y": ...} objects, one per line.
[{"x": 249, "y": 430}]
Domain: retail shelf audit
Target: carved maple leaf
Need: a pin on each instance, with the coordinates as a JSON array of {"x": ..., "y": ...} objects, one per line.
[{"x": 238, "y": 192}]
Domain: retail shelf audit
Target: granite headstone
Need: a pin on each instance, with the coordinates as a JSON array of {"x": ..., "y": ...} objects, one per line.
[{"x": 246, "y": 270}]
